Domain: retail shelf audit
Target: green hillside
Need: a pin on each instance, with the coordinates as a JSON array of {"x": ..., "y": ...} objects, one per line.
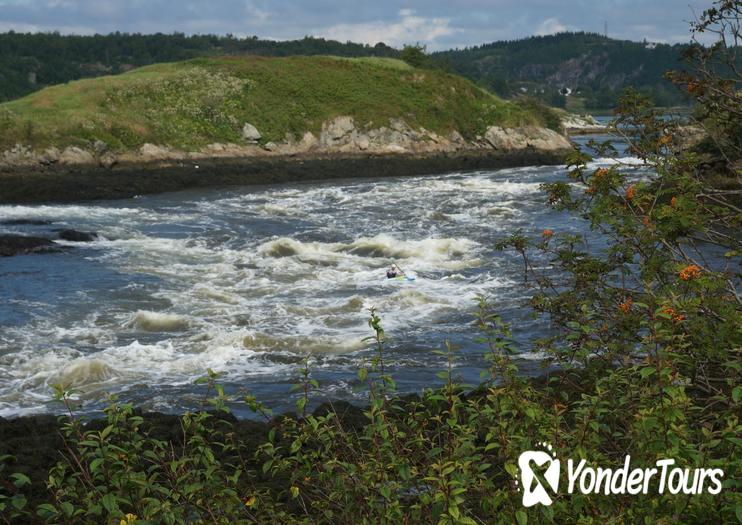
[
  {"x": 193, "y": 103},
  {"x": 598, "y": 68},
  {"x": 32, "y": 61}
]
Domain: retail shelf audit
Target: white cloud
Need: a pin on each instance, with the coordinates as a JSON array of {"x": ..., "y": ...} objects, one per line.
[
  {"x": 22, "y": 27},
  {"x": 550, "y": 26},
  {"x": 256, "y": 14},
  {"x": 407, "y": 29}
]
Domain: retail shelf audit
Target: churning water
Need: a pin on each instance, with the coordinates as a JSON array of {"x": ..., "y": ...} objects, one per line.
[{"x": 247, "y": 281}]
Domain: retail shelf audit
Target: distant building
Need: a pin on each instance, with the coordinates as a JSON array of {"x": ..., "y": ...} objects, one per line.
[{"x": 650, "y": 45}]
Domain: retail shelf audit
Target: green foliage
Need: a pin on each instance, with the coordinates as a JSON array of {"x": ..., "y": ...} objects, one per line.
[
  {"x": 415, "y": 55},
  {"x": 645, "y": 333},
  {"x": 596, "y": 68},
  {"x": 195, "y": 103},
  {"x": 51, "y": 58}
]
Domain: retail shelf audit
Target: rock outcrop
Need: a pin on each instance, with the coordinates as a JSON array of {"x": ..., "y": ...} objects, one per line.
[
  {"x": 688, "y": 137},
  {"x": 76, "y": 236},
  {"x": 150, "y": 152},
  {"x": 20, "y": 244},
  {"x": 340, "y": 135},
  {"x": 75, "y": 155},
  {"x": 250, "y": 133},
  {"x": 582, "y": 124},
  {"x": 514, "y": 139}
]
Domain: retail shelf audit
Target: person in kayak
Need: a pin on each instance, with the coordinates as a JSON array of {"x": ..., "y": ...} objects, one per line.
[{"x": 393, "y": 272}]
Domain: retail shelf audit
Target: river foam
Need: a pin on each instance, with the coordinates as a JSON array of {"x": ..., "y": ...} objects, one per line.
[{"x": 249, "y": 282}]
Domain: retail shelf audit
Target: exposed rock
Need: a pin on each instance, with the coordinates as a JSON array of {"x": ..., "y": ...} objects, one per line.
[
  {"x": 398, "y": 124},
  {"x": 526, "y": 137},
  {"x": 25, "y": 222},
  {"x": 337, "y": 131},
  {"x": 687, "y": 137},
  {"x": 582, "y": 124},
  {"x": 546, "y": 139},
  {"x": 76, "y": 236},
  {"x": 215, "y": 148},
  {"x": 456, "y": 137},
  {"x": 250, "y": 133},
  {"x": 153, "y": 152},
  {"x": 308, "y": 142},
  {"x": 393, "y": 148},
  {"x": 100, "y": 147},
  {"x": 18, "y": 154},
  {"x": 108, "y": 160},
  {"x": 49, "y": 156},
  {"x": 75, "y": 155},
  {"x": 363, "y": 142},
  {"x": 270, "y": 146},
  {"x": 21, "y": 244},
  {"x": 229, "y": 149}
]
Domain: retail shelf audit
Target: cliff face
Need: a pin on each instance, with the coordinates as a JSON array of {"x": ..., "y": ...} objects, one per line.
[{"x": 339, "y": 136}]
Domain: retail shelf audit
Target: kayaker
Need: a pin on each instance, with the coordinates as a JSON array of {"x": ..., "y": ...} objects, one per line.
[{"x": 393, "y": 272}]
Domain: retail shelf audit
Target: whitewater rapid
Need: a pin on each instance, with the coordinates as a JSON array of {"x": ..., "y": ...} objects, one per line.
[{"x": 249, "y": 281}]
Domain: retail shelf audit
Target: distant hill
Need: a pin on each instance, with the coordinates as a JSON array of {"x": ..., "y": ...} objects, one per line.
[
  {"x": 201, "y": 101},
  {"x": 595, "y": 69},
  {"x": 592, "y": 69},
  {"x": 31, "y": 61}
]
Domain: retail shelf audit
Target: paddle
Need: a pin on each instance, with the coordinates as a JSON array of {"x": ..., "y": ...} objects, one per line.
[{"x": 399, "y": 267}]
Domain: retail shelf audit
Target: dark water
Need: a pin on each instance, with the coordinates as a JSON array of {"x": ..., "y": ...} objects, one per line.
[{"x": 247, "y": 281}]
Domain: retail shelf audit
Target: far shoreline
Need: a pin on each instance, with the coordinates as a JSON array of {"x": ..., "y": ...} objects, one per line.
[{"x": 74, "y": 183}]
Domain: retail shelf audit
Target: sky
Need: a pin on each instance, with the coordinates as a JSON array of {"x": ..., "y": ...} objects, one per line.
[{"x": 438, "y": 24}]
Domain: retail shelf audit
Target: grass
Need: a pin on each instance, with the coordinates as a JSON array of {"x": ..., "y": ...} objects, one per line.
[{"x": 197, "y": 102}]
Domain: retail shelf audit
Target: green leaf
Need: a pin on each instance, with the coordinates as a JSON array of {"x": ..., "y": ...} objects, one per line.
[
  {"x": 20, "y": 479},
  {"x": 67, "y": 508},
  {"x": 95, "y": 464},
  {"x": 109, "y": 503},
  {"x": 19, "y": 502},
  {"x": 46, "y": 510},
  {"x": 521, "y": 517}
]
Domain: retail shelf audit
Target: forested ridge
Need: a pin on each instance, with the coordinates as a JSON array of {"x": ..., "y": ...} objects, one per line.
[
  {"x": 594, "y": 68},
  {"x": 598, "y": 68}
]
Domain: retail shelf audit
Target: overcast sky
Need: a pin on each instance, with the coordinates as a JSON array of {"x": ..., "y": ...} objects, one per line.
[{"x": 440, "y": 24}]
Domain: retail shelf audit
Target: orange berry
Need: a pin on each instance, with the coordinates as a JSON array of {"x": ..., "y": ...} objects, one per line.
[
  {"x": 625, "y": 306},
  {"x": 630, "y": 192},
  {"x": 690, "y": 272}
]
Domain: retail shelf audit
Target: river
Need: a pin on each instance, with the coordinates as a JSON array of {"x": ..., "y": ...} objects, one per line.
[{"x": 249, "y": 280}]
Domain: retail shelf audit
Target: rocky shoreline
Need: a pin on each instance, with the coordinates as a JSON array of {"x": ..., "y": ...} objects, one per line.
[
  {"x": 60, "y": 183},
  {"x": 341, "y": 150}
]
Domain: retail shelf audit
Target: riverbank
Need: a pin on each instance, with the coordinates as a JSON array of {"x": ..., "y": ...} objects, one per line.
[
  {"x": 61, "y": 183},
  {"x": 36, "y": 444}
]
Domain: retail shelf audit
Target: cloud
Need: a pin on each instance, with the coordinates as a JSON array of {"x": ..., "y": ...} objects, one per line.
[
  {"x": 551, "y": 26},
  {"x": 439, "y": 24},
  {"x": 407, "y": 29}
]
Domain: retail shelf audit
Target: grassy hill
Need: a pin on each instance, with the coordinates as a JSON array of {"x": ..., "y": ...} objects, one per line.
[
  {"x": 32, "y": 61},
  {"x": 196, "y": 102},
  {"x": 599, "y": 67}
]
